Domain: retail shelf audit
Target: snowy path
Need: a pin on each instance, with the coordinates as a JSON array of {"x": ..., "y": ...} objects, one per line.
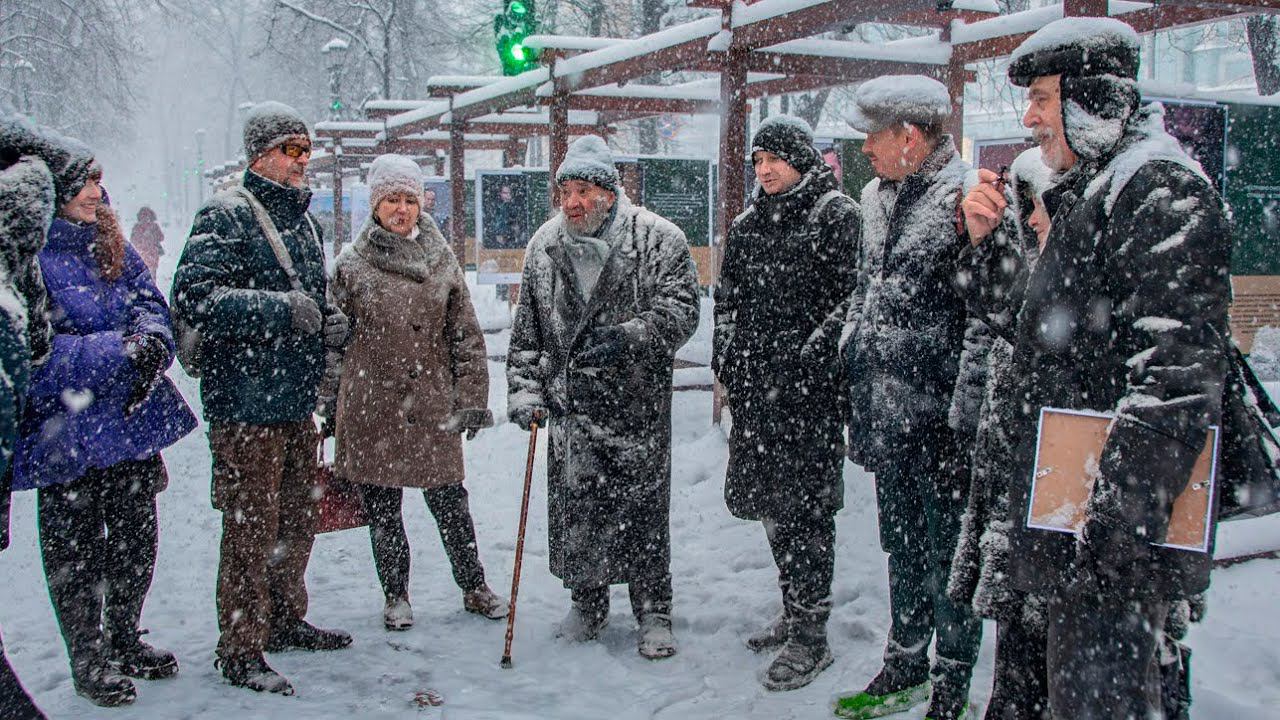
[{"x": 724, "y": 585}]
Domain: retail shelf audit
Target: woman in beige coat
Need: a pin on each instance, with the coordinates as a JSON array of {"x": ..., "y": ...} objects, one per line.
[{"x": 411, "y": 380}]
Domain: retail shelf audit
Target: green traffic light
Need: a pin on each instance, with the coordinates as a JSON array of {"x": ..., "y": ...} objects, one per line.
[
  {"x": 517, "y": 52},
  {"x": 518, "y": 8}
]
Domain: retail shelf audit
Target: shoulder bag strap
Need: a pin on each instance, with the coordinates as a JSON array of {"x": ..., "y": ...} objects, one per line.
[{"x": 273, "y": 236}]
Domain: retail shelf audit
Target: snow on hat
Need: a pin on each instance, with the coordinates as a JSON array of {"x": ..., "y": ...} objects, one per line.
[
  {"x": 895, "y": 99},
  {"x": 70, "y": 161},
  {"x": 589, "y": 159},
  {"x": 788, "y": 137},
  {"x": 269, "y": 125},
  {"x": 1077, "y": 47},
  {"x": 390, "y": 174},
  {"x": 1029, "y": 168}
]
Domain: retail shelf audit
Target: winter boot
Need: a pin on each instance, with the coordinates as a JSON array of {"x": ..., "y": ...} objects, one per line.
[
  {"x": 98, "y": 682},
  {"x": 893, "y": 691},
  {"x": 583, "y": 623},
  {"x": 483, "y": 601},
  {"x": 656, "y": 639},
  {"x": 799, "y": 662},
  {"x": 302, "y": 635},
  {"x": 949, "y": 699},
  {"x": 252, "y": 671},
  {"x": 771, "y": 636},
  {"x": 137, "y": 659},
  {"x": 397, "y": 614}
]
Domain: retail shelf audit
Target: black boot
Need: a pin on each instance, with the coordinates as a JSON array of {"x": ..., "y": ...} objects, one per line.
[
  {"x": 897, "y": 688},
  {"x": 949, "y": 699},
  {"x": 98, "y": 682},
  {"x": 252, "y": 671},
  {"x": 137, "y": 659},
  {"x": 302, "y": 635}
]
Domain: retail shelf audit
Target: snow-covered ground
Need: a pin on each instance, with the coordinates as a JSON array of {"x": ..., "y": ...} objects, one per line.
[{"x": 725, "y": 586}]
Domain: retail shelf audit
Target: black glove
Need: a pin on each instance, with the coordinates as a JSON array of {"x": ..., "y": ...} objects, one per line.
[
  {"x": 470, "y": 421},
  {"x": 304, "y": 313},
  {"x": 150, "y": 357},
  {"x": 337, "y": 328},
  {"x": 525, "y": 415},
  {"x": 605, "y": 347}
]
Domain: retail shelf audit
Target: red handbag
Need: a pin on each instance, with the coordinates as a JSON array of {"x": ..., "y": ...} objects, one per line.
[{"x": 339, "y": 506}]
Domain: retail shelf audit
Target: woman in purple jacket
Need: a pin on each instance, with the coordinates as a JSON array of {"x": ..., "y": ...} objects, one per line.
[{"x": 99, "y": 411}]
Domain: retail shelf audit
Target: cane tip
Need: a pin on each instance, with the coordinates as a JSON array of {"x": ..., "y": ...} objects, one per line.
[{"x": 506, "y": 662}]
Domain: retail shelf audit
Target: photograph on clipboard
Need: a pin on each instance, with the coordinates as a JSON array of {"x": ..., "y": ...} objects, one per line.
[{"x": 1069, "y": 447}]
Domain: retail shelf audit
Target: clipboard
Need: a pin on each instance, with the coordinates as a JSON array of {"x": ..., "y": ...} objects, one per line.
[{"x": 1069, "y": 445}]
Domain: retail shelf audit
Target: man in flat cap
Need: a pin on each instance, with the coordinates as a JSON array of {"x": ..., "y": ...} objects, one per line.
[
  {"x": 1124, "y": 312},
  {"x": 609, "y": 294},
  {"x": 264, "y": 333},
  {"x": 903, "y": 336}
]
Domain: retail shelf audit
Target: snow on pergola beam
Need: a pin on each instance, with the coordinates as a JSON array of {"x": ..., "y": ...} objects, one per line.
[{"x": 999, "y": 36}]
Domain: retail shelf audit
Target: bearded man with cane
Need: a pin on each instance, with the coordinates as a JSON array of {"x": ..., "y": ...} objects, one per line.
[{"x": 609, "y": 293}]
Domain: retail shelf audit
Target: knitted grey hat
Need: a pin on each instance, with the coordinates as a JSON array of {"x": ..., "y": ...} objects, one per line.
[
  {"x": 269, "y": 125},
  {"x": 392, "y": 174},
  {"x": 589, "y": 159}
]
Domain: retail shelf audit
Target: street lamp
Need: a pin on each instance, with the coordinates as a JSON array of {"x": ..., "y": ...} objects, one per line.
[
  {"x": 335, "y": 52},
  {"x": 25, "y": 71},
  {"x": 200, "y": 167}
]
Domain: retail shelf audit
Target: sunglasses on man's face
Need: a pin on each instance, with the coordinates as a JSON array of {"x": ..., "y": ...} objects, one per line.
[{"x": 295, "y": 150}]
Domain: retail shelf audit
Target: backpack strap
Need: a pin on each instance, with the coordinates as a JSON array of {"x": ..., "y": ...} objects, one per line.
[
  {"x": 273, "y": 235},
  {"x": 821, "y": 205}
]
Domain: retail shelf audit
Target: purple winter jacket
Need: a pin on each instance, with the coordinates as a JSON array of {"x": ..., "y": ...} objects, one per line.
[{"x": 75, "y": 416}]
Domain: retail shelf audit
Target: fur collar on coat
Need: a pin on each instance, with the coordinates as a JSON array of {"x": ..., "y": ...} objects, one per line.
[{"x": 416, "y": 257}]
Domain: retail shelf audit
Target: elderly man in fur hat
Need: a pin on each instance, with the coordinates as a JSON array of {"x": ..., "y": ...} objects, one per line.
[
  {"x": 902, "y": 344},
  {"x": 1124, "y": 312},
  {"x": 608, "y": 296}
]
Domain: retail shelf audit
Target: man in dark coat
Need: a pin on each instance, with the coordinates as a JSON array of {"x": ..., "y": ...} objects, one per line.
[
  {"x": 1124, "y": 313},
  {"x": 263, "y": 352},
  {"x": 609, "y": 294},
  {"x": 903, "y": 338},
  {"x": 788, "y": 263}
]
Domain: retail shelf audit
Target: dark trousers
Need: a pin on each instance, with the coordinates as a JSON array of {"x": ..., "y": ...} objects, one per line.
[
  {"x": 921, "y": 500},
  {"x": 1103, "y": 657},
  {"x": 263, "y": 476},
  {"x": 1019, "y": 686},
  {"x": 98, "y": 540},
  {"x": 448, "y": 505},
  {"x": 804, "y": 549},
  {"x": 647, "y": 597},
  {"x": 15, "y": 703}
]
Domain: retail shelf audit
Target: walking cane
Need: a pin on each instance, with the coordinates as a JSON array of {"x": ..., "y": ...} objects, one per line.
[{"x": 515, "y": 575}]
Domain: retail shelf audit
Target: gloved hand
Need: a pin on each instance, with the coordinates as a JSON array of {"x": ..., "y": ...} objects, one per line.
[
  {"x": 337, "y": 328},
  {"x": 605, "y": 347},
  {"x": 525, "y": 415},
  {"x": 469, "y": 421},
  {"x": 304, "y": 312},
  {"x": 149, "y": 357}
]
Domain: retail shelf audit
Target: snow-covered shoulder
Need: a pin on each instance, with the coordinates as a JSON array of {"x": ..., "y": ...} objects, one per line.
[{"x": 1152, "y": 143}]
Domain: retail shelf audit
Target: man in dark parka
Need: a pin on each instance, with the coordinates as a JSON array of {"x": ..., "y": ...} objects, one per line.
[
  {"x": 902, "y": 343},
  {"x": 1125, "y": 312},
  {"x": 609, "y": 294},
  {"x": 263, "y": 346},
  {"x": 789, "y": 262}
]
